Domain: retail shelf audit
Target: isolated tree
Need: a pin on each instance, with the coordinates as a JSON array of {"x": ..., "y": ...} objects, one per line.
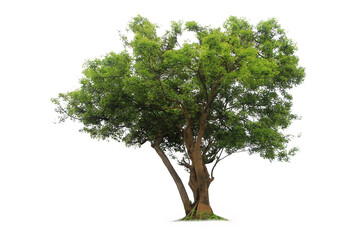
[{"x": 198, "y": 102}]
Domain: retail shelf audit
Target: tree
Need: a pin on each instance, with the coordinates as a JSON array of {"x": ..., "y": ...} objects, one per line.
[{"x": 197, "y": 102}]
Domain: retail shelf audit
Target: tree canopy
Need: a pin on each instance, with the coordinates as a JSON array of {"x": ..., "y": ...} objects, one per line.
[
  {"x": 240, "y": 73},
  {"x": 227, "y": 91}
]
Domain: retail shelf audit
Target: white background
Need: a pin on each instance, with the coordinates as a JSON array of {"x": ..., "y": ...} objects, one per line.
[{"x": 57, "y": 183}]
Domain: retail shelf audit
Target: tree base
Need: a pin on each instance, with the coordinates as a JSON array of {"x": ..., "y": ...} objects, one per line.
[{"x": 203, "y": 217}]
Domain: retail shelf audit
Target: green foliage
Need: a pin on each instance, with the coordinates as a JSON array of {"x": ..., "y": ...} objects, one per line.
[{"x": 240, "y": 74}]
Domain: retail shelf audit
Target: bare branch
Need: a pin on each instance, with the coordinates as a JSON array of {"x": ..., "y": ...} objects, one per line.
[
  {"x": 219, "y": 159},
  {"x": 185, "y": 164},
  {"x": 62, "y": 110},
  {"x": 210, "y": 144},
  {"x": 212, "y": 170}
]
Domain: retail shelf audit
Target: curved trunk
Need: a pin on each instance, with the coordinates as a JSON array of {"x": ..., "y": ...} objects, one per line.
[{"x": 179, "y": 184}]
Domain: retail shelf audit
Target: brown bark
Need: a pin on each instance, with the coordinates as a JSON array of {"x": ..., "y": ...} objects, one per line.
[
  {"x": 200, "y": 182},
  {"x": 179, "y": 184},
  {"x": 199, "y": 177},
  {"x": 193, "y": 185}
]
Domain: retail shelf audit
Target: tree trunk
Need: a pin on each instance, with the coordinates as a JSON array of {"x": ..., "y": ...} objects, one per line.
[
  {"x": 179, "y": 184},
  {"x": 199, "y": 184},
  {"x": 199, "y": 177}
]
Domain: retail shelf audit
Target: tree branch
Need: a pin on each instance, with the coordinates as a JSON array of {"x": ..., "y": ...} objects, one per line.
[
  {"x": 205, "y": 111},
  {"x": 203, "y": 83},
  {"x": 62, "y": 110},
  {"x": 213, "y": 93},
  {"x": 219, "y": 159},
  {"x": 210, "y": 144},
  {"x": 212, "y": 170},
  {"x": 165, "y": 96}
]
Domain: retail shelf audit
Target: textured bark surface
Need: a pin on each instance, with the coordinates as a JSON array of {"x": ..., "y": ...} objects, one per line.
[
  {"x": 200, "y": 183},
  {"x": 199, "y": 177}
]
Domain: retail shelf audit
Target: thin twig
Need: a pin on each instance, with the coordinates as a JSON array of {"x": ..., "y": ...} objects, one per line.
[{"x": 219, "y": 159}]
